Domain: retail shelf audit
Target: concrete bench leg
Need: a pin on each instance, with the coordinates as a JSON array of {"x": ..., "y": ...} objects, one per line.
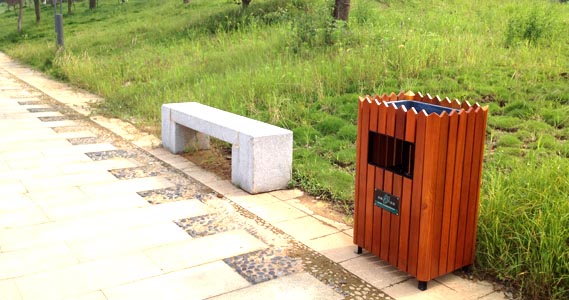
[
  {"x": 177, "y": 138},
  {"x": 260, "y": 164}
]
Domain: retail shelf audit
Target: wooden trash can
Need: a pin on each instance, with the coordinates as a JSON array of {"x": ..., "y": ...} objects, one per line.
[{"x": 418, "y": 174}]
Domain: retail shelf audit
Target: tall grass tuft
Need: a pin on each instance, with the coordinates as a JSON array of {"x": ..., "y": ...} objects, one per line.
[{"x": 523, "y": 230}]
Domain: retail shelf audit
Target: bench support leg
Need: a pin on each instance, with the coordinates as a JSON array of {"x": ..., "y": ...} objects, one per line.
[{"x": 178, "y": 138}]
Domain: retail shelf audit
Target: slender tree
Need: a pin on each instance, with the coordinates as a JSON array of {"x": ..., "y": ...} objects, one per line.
[
  {"x": 69, "y": 4},
  {"x": 20, "y": 16},
  {"x": 341, "y": 10},
  {"x": 186, "y": 1},
  {"x": 37, "y": 10},
  {"x": 92, "y": 4},
  {"x": 245, "y": 3}
]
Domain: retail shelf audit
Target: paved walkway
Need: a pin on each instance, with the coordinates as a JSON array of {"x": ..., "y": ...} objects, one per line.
[{"x": 90, "y": 208}]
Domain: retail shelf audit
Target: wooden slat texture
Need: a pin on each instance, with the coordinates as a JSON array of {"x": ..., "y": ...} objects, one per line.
[
  {"x": 439, "y": 194},
  {"x": 420, "y": 130},
  {"x": 397, "y": 185},
  {"x": 359, "y": 236},
  {"x": 465, "y": 189},
  {"x": 405, "y": 208},
  {"x": 370, "y": 181},
  {"x": 481, "y": 151},
  {"x": 358, "y": 154},
  {"x": 428, "y": 198},
  {"x": 449, "y": 183},
  {"x": 457, "y": 186},
  {"x": 388, "y": 184},
  {"x": 476, "y": 172},
  {"x": 379, "y": 175}
]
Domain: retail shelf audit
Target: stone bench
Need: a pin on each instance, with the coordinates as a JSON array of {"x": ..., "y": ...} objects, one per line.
[{"x": 261, "y": 154}]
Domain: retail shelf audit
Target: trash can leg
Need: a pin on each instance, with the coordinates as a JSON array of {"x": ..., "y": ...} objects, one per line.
[
  {"x": 359, "y": 250},
  {"x": 422, "y": 285}
]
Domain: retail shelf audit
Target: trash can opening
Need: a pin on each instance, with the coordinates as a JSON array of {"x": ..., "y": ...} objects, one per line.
[
  {"x": 391, "y": 154},
  {"x": 427, "y": 107}
]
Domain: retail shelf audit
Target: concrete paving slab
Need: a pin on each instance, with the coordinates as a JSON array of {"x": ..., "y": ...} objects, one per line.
[
  {"x": 275, "y": 212},
  {"x": 305, "y": 228},
  {"x": 338, "y": 247},
  {"x": 128, "y": 240},
  {"x": 177, "y": 256},
  {"x": 97, "y": 295},
  {"x": 86, "y": 277},
  {"x": 34, "y": 260},
  {"x": 375, "y": 271},
  {"x": 196, "y": 283},
  {"x": 9, "y": 290},
  {"x": 299, "y": 286}
]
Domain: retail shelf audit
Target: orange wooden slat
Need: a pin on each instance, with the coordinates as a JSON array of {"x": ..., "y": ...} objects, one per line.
[
  {"x": 476, "y": 172},
  {"x": 388, "y": 184},
  {"x": 405, "y": 208},
  {"x": 361, "y": 181},
  {"x": 358, "y": 147},
  {"x": 486, "y": 112},
  {"x": 439, "y": 194},
  {"x": 379, "y": 176},
  {"x": 457, "y": 186},
  {"x": 449, "y": 183},
  {"x": 370, "y": 181},
  {"x": 400, "y": 121},
  {"x": 386, "y": 218},
  {"x": 465, "y": 189},
  {"x": 428, "y": 195},
  {"x": 414, "y": 227}
]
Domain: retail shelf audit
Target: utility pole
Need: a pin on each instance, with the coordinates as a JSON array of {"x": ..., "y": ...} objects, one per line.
[{"x": 58, "y": 22}]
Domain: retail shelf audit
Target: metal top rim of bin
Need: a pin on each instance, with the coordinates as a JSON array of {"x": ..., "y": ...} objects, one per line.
[
  {"x": 455, "y": 106},
  {"x": 422, "y": 106}
]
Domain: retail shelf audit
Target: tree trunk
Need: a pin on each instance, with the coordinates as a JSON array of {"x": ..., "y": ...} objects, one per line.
[
  {"x": 186, "y": 1},
  {"x": 37, "y": 9},
  {"x": 245, "y": 3},
  {"x": 20, "y": 16},
  {"x": 341, "y": 10},
  {"x": 69, "y": 4},
  {"x": 92, "y": 4}
]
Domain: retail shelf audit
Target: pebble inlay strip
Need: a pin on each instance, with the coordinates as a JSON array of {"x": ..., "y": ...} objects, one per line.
[
  {"x": 41, "y": 109},
  {"x": 172, "y": 194},
  {"x": 54, "y": 118},
  {"x": 64, "y": 129},
  {"x": 264, "y": 265},
  {"x": 104, "y": 155},
  {"x": 83, "y": 140},
  {"x": 34, "y": 102},
  {"x": 138, "y": 172},
  {"x": 205, "y": 225}
]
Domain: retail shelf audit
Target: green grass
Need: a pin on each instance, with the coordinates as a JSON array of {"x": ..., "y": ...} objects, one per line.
[{"x": 283, "y": 62}]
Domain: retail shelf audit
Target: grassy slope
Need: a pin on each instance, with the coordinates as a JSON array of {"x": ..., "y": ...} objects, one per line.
[{"x": 281, "y": 63}]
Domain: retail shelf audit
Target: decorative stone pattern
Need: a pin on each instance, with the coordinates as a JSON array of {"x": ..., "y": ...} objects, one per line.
[
  {"x": 264, "y": 265},
  {"x": 31, "y": 102},
  {"x": 177, "y": 193},
  {"x": 41, "y": 109},
  {"x": 139, "y": 172},
  {"x": 201, "y": 226},
  {"x": 54, "y": 118},
  {"x": 104, "y": 155},
  {"x": 83, "y": 140}
]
